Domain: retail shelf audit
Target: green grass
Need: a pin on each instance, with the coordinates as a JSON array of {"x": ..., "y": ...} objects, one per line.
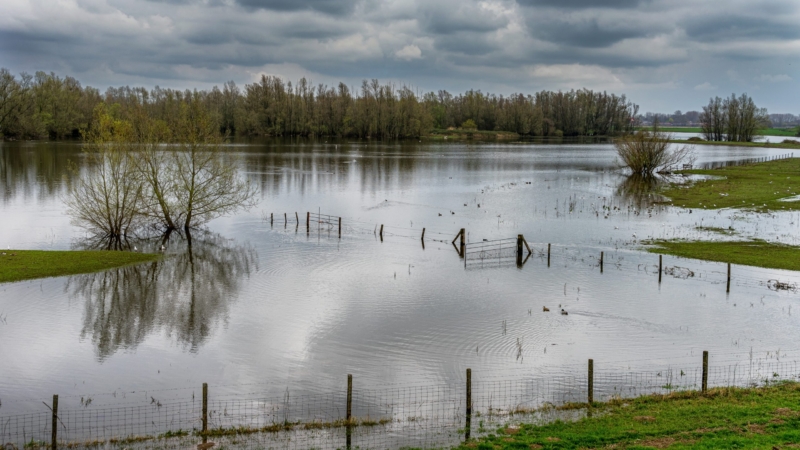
[
  {"x": 756, "y": 186},
  {"x": 766, "y": 418},
  {"x": 738, "y": 144},
  {"x": 764, "y": 132},
  {"x": 746, "y": 253},
  {"x": 18, "y": 265}
]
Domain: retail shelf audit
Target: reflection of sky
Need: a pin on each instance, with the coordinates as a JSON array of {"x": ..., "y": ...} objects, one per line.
[{"x": 315, "y": 308}]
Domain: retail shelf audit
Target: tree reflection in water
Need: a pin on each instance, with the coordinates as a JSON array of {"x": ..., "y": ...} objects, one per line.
[
  {"x": 641, "y": 191},
  {"x": 184, "y": 294}
]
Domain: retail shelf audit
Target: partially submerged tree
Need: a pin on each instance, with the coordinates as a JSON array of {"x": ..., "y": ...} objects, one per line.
[
  {"x": 647, "y": 152},
  {"x": 107, "y": 198}
]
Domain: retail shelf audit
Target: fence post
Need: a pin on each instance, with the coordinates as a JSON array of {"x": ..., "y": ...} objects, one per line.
[
  {"x": 205, "y": 409},
  {"x": 340, "y": 227},
  {"x": 285, "y": 220},
  {"x": 349, "y": 398},
  {"x": 591, "y": 382},
  {"x": 381, "y": 233},
  {"x": 54, "y": 435},
  {"x": 601, "y": 262},
  {"x": 423, "y": 234},
  {"x": 297, "y": 218},
  {"x": 705, "y": 371},
  {"x": 728, "y": 284},
  {"x": 469, "y": 403},
  {"x": 659, "y": 268},
  {"x": 270, "y": 219},
  {"x": 548, "y": 255},
  {"x": 308, "y": 222}
]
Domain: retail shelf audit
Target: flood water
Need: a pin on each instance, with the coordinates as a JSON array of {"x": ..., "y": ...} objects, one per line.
[{"x": 277, "y": 306}]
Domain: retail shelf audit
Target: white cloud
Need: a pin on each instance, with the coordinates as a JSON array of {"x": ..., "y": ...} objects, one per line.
[
  {"x": 705, "y": 87},
  {"x": 409, "y": 52}
]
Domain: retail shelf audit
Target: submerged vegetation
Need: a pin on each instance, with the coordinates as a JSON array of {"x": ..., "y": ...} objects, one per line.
[
  {"x": 46, "y": 105},
  {"x": 765, "y": 417},
  {"x": 772, "y": 185},
  {"x": 746, "y": 253},
  {"x": 18, "y": 265}
]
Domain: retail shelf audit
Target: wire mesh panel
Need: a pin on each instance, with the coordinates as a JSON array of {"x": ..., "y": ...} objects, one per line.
[{"x": 417, "y": 416}]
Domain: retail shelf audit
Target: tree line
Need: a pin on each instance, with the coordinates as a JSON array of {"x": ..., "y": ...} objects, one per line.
[
  {"x": 47, "y": 105},
  {"x": 736, "y": 119}
]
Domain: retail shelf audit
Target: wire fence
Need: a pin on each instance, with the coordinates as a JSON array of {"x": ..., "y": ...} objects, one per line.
[
  {"x": 400, "y": 416},
  {"x": 741, "y": 162}
]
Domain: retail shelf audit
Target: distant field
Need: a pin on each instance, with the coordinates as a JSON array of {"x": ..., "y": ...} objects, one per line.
[{"x": 765, "y": 132}]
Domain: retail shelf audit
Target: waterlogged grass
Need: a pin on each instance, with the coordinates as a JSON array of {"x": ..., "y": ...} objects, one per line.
[
  {"x": 746, "y": 253},
  {"x": 18, "y": 265},
  {"x": 767, "y": 417},
  {"x": 759, "y": 187},
  {"x": 764, "y": 132}
]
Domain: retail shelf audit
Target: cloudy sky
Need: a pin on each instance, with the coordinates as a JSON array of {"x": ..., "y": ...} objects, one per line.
[{"x": 663, "y": 54}]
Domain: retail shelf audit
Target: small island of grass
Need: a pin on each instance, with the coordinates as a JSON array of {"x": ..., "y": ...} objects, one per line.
[
  {"x": 19, "y": 265},
  {"x": 766, "y": 417},
  {"x": 767, "y": 186},
  {"x": 746, "y": 253}
]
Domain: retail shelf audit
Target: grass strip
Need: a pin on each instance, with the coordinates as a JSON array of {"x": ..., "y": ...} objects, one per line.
[
  {"x": 746, "y": 253},
  {"x": 738, "y": 144},
  {"x": 767, "y": 417},
  {"x": 763, "y": 132},
  {"x": 758, "y": 186},
  {"x": 19, "y": 265}
]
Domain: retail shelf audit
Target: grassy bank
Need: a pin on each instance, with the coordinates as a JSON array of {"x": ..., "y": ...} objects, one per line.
[
  {"x": 764, "y": 132},
  {"x": 18, "y": 265},
  {"x": 758, "y": 186},
  {"x": 766, "y": 417},
  {"x": 739, "y": 144},
  {"x": 472, "y": 134},
  {"x": 747, "y": 253}
]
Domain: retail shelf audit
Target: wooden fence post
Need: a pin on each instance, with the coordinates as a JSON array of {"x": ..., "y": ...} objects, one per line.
[
  {"x": 349, "y": 412},
  {"x": 469, "y": 403},
  {"x": 705, "y": 371},
  {"x": 54, "y": 432},
  {"x": 659, "y": 268},
  {"x": 548, "y": 255},
  {"x": 270, "y": 218},
  {"x": 205, "y": 408},
  {"x": 601, "y": 262},
  {"x": 340, "y": 227},
  {"x": 591, "y": 382},
  {"x": 423, "y": 234},
  {"x": 381, "y": 232},
  {"x": 349, "y": 398},
  {"x": 285, "y": 220},
  {"x": 728, "y": 284},
  {"x": 308, "y": 222}
]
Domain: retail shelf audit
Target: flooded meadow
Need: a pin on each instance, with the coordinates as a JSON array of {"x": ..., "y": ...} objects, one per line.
[{"x": 267, "y": 302}]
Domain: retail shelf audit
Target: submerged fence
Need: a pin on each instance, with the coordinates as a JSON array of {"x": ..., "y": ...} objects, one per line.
[{"x": 420, "y": 416}]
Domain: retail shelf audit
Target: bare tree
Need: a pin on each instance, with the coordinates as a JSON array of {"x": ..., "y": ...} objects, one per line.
[
  {"x": 647, "y": 152},
  {"x": 106, "y": 199},
  {"x": 713, "y": 120},
  {"x": 194, "y": 181}
]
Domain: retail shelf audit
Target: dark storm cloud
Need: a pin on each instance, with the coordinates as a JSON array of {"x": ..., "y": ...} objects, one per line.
[
  {"x": 577, "y": 4},
  {"x": 582, "y": 33},
  {"x": 727, "y": 27},
  {"x": 336, "y": 7},
  {"x": 514, "y": 45}
]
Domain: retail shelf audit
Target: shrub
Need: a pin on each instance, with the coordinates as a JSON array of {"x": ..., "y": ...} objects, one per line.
[
  {"x": 469, "y": 124},
  {"x": 646, "y": 152}
]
